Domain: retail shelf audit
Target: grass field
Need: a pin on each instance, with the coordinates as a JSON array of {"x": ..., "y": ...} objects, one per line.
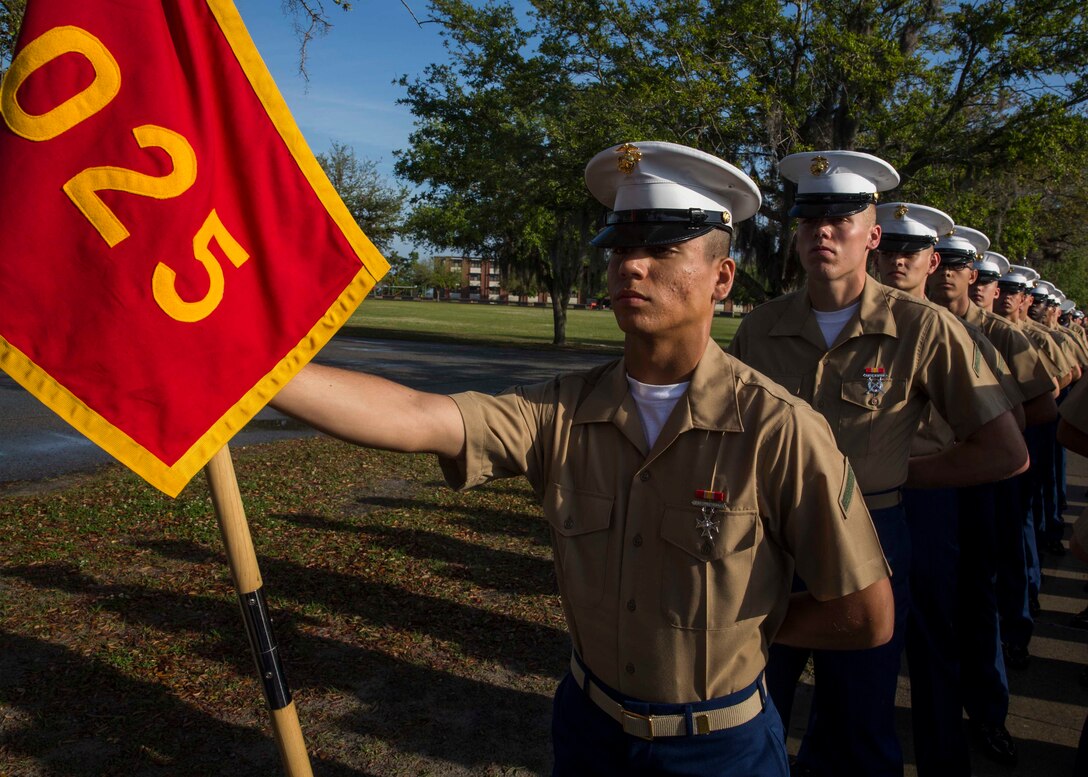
[
  {"x": 419, "y": 628},
  {"x": 505, "y": 324}
]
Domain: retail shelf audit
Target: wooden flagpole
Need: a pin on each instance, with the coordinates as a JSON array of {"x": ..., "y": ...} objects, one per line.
[{"x": 247, "y": 582}]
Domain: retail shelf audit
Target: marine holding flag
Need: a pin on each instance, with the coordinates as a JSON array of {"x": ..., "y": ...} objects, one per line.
[
  {"x": 682, "y": 488},
  {"x": 156, "y": 282}
]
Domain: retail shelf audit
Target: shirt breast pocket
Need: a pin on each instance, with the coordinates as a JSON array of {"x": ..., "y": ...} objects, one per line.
[
  {"x": 580, "y": 522},
  {"x": 704, "y": 580},
  {"x": 860, "y": 410}
]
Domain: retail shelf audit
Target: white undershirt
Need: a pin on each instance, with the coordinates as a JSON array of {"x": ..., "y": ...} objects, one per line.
[
  {"x": 655, "y": 403},
  {"x": 832, "y": 321}
]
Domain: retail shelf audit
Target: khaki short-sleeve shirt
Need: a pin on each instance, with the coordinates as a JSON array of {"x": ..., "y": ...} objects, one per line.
[
  {"x": 1075, "y": 348},
  {"x": 1074, "y": 408},
  {"x": 896, "y": 354},
  {"x": 1041, "y": 338},
  {"x": 1077, "y": 333},
  {"x": 934, "y": 434},
  {"x": 1020, "y": 355},
  {"x": 1069, "y": 347},
  {"x": 996, "y": 362},
  {"x": 664, "y": 602}
]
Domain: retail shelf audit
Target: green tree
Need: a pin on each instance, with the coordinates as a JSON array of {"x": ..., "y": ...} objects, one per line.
[
  {"x": 442, "y": 278},
  {"x": 980, "y": 106},
  {"x": 953, "y": 95},
  {"x": 496, "y": 149},
  {"x": 408, "y": 275},
  {"x": 376, "y": 206},
  {"x": 11, "y": 19}
]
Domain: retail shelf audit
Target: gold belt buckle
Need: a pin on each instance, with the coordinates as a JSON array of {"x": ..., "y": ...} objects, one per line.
[{"x": 628, "y": 715}]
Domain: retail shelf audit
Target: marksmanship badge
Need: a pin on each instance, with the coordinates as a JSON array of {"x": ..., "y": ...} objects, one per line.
[
  {"x": 874, "y": 380},
  {"x": 709, "y": 502}
]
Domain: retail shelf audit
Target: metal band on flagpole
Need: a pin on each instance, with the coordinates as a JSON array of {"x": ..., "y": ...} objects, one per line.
[{"x": 247, "y": 582}]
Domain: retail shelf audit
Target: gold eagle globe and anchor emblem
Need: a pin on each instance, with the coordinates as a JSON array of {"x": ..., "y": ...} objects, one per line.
[
  {"x": 629, "y": 157},
  {"x": 901, "y": 211},
  {"x": 819, "y": 165}
]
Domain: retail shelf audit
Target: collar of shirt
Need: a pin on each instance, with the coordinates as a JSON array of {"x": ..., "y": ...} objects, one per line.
[
  {"x": 710, "y": 403},
  {"x": 874, "y": 317},
  {"x": 975, "y": 315}
]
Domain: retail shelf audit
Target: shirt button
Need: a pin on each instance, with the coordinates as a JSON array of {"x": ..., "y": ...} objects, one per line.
[
  {"x": 630, "y": 669},
  {"x": 568, "y": 524},
  {"x": 644, "y": 476},
  {"x": 631, "y": 605},
  {"x": 707, "y": 547},
  {"x": 637, "y": 541}
]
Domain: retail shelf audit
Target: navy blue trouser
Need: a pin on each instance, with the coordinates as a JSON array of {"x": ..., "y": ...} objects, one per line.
[
  {"x": 1056, "y": 527},
  {"x": 851, "y": 727},
  {"x": 1060, "y": 486},
  {"x": 1043, "y": 497},
  {"x": 1039, "y": 482},
  {"x": 983, "y": 681},
  {"x": 1015, "y": 541},
  {"x": 587, "y": 742},
  {"x": 932, "y": 647}
]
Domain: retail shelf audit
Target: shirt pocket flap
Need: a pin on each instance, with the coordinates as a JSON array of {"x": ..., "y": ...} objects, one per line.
[
  {"x": 736, "y": 531},
  {"x": 572, "y": 512}
]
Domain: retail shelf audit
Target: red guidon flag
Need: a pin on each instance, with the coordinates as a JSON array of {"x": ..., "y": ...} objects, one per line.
[{"x": 171, "y": 253}]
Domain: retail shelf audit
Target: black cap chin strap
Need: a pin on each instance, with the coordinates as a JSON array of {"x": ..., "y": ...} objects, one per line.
[{"x": 692, "y": 217}]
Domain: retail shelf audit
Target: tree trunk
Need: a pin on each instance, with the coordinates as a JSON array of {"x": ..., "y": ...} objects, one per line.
[{"x": 559, "y": 313}]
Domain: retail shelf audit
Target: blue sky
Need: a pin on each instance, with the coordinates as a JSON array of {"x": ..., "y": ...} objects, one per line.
[{"x": 350, "y": 97}]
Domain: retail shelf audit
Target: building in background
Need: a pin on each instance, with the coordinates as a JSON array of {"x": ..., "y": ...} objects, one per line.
[
  {"x": 472, "y": 279},
  {"x": 481, "y": 279}
]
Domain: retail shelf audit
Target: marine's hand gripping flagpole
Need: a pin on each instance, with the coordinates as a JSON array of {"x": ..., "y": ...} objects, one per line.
[
  {"x": 173, "y": 253},
  {"x": 247, "y": 582}
]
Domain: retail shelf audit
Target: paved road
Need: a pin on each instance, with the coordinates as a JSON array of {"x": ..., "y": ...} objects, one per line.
[{"x": 35, "y": 443}]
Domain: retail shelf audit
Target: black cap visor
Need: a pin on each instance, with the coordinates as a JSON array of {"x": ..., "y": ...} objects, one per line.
[
  {"x": 631, "y": 228},
  {"x": 823, "y": 206},
  {"x": 987, "y": 276},
  {"x": 1011, "y": 287},
  {"x": 953, "y": 257},
  {"x": 905, "y": 244}
]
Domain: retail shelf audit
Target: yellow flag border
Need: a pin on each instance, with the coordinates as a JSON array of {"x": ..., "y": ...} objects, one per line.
[{"x": 171, "y": 479}]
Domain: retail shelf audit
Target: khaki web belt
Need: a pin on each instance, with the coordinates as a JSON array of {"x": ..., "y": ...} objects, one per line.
[
  {"x": 652, "y": 726},
  {"x": 881, "y": 500}
]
